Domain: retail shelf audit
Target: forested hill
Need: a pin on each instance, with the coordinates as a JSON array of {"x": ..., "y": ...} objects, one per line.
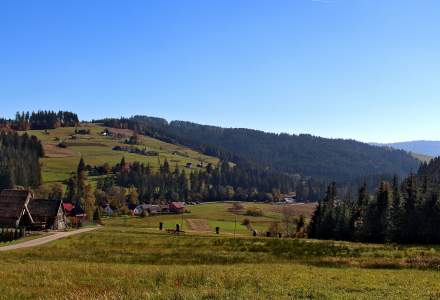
[{"x": 321, "y": 158}]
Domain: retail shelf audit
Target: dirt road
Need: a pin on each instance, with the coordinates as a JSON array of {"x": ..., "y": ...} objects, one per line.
[{"x": 46, "y": 239}]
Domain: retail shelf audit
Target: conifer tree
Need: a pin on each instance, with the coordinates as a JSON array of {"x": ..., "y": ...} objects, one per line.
[{"x": 395, "y": 221}]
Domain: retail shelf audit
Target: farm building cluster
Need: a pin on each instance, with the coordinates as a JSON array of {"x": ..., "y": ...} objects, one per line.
[
  {"x": 136, "y": 150},
  {"x": 151, "y": 209},
  {"x": 21, "y": 209}
]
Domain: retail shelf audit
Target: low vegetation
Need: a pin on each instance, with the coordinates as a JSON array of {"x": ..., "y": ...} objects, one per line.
[{"x": 128, "y": 259}]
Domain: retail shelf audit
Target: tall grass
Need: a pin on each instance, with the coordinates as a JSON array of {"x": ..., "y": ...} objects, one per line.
[{"x": 126, "y": 260}]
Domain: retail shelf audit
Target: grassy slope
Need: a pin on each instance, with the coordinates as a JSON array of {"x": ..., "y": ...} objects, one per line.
[
  {"x": 127, "y": 258},
  {"x": 97, "y": 150}
]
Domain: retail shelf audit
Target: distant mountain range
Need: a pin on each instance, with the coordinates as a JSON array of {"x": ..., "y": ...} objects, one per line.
[{"x": 430, "y": 148}]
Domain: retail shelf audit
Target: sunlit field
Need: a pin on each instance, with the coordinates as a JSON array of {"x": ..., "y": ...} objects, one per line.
[
  {"x": 130, "y": 258},
  {"x": 96, "y": 149}
]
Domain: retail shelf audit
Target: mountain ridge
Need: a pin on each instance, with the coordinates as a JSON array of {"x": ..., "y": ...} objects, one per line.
[
  {"x": 425, "y": 147},
  {"x": 330, "y": 159}
]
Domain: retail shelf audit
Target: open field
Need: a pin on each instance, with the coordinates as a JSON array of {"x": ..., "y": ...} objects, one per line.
[
  {"x": 129, "y": 258},
  {"x": 96, "y": 149},
  {"x": 219, "y": 214}
]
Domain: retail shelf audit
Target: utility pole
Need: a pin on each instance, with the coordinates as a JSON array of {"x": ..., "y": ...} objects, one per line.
[
  {"x": 235, "y": 225},
  {"x": 181, "y": 225}
]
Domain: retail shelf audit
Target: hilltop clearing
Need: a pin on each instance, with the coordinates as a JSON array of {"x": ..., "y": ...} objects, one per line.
[{"x": 96, "y": 147}]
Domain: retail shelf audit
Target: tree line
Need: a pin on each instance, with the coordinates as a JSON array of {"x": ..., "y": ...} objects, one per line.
[
  {"x": 19, "y": 160},
  {"x": 127, "y": 185},
  {"x": 406, "y": 212},
  {"x": 40, "y": 120},
  {"x": 213, "y": 183}
]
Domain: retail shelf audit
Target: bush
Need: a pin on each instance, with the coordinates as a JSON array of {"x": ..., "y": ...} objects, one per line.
[
  {"x": 246, "y": 222},
  {"x": 254, "y": 212},
  {"x": 124, "y": 210},
  {"x": 236, "y": 206}
]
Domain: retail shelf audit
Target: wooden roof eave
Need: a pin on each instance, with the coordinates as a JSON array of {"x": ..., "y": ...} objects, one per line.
[{"x": 26, "y": 210}]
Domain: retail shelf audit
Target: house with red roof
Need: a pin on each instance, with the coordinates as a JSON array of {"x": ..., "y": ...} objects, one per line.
[{"x": 177, "y": 207}]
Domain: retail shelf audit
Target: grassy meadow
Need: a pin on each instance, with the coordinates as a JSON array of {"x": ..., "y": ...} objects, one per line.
[
  {"x": 96, "y": 149},
  {"x": 129, "y": 258}
]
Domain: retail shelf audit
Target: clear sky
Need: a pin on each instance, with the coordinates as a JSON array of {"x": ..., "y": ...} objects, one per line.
[{"x": 362, "y": 69}]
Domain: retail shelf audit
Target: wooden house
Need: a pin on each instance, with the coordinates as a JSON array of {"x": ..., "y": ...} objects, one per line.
[
  {"x": 77, "y": 216},
  {"x": 107, "y": 210},
  {"x": 177, "y": 207},
  {"x": 49, "y": 213},
  {"x": 150, "y": 209},
  {"x": 14, "y": 211}
]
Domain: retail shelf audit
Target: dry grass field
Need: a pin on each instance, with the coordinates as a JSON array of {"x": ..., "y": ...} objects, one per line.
[{"x": 129, "y": 258}]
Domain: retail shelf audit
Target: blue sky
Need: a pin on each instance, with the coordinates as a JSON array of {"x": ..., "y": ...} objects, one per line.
[{"x": 362, "y": 69}]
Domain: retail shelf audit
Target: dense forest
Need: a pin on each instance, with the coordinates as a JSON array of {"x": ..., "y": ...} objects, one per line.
[
  {"x": 19, "y": 160},
  {"x": 127, "y": 185},
  {"x": 213, "y": 183},
  {"x": 40, "y": 120},
  {"x": 310, "y": 156},
  {"x": 407, "y": 212}
]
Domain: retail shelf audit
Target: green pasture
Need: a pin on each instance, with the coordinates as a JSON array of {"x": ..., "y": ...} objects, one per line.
[
  {"x": 97, "y": 150},
  {"x": 128, "y": 259}
]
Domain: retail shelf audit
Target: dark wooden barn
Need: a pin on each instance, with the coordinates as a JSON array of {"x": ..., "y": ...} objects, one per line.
[
  {"x": 14, "y": 211},
  {"x": 48, "y": 214}
]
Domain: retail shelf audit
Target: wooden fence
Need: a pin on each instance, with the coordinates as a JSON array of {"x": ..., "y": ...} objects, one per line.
[{"x": 10, "y": 234}]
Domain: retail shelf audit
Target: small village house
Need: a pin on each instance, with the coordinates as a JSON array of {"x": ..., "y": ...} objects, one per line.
[
  {"x": 49, "y": 213},
  {"x": 75, "y": 214},
  {"x": 107, "y": 210},
  {"x": 19, "y": 208},
  {"x": 177, "y": 207},
  {"x": 149, "y": 209},
  {"x": 14, "y": 211}
]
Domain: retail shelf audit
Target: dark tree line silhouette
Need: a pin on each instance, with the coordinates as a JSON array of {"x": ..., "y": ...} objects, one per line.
[
  {"x": 40, "y": 120},
  {"x": 19, "y": 160},
  {"x": 406, "y": 212}
]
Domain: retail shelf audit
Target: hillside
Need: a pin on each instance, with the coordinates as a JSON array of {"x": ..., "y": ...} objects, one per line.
[
  {"x": 321, "y": 158},
  {"x": 97, "y": 149},
  {"x": 429, "y": 148}
]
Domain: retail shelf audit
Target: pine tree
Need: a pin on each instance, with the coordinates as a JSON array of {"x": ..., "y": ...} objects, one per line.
[
  {"x": 410, "y": 224},
  {"x": 395, "y": 217}
]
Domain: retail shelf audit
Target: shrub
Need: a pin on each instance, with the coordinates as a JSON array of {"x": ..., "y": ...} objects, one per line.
[
  {"x": 124, "y": 211},
  {"x": 254, "y": 212},
  {"x": 246, "y": 222},
  {"x": 236, "y": 206}
]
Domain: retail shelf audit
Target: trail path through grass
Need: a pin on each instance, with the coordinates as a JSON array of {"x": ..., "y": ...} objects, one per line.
[{"x": 46, "y": 239}]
